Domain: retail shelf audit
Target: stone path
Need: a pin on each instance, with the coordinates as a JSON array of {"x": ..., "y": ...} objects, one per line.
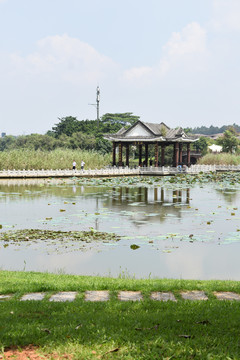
[
  {"x": 104, "y": 295},
  {"x": 193, "y": 295}
]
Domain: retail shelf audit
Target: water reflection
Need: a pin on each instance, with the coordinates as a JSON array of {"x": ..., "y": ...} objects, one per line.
[
  {"x": 150, "y": 195},
  {"x": 155, "y": 202},
  {"x": 179, "y": 231},
  {"x": 229, "y": 195},
  {"x": 139, "y": 204}
]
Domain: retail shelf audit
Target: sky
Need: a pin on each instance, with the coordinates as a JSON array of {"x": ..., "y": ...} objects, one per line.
[{"x": 176, "y": 62}]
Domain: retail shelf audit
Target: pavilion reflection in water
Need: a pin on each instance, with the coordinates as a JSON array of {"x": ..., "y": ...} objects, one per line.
[{"x": 149, "y": 204}]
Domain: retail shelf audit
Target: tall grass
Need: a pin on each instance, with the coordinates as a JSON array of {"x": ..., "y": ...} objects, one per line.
[
  {"x": 220, "y": 159},
  {"x": 56, "y": 159}
]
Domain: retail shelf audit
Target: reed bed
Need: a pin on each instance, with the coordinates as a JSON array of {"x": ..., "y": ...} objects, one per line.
[
  {"x": 220, "y": 159},
  {"x": 56, "y": 159}
]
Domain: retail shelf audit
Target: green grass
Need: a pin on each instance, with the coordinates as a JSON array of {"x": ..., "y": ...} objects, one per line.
[
  {"x": 220, "y": 159},
  {"x": 56, "y": 159},
  {"x": 136, "y": 330},
  {"x": 22, "y": 282}
]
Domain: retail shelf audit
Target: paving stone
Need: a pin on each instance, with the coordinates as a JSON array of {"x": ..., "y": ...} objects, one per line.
[
  {"x": 130, "y": 296},
  {"x": 162, "y": 296},
  {"x": 33, "y": 296},
  {"x": 4, "y": 297},
  {"x": 227, "y": 295},
  {"x": 96, "y": 295},
  {"x": 63, "y": 296},
  {"x": 194, "y": 295}
]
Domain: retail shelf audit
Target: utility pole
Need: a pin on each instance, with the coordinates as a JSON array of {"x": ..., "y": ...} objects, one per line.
[
  {"x": 97, "y": 104},
  {"x": 98, "y": 100}
]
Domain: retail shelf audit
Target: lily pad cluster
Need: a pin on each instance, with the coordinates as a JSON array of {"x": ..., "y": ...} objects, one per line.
[
  {"x": 230, "y": 178},
  {"x": 26, "y": 235}
]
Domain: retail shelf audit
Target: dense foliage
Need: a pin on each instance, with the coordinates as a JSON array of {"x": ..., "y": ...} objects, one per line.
[
  {"x": 212, "y": 129},
  {"x": 70, "y": 133},
  {"x": 229, "y": 141},
  {"x": 201, "y": 145}
]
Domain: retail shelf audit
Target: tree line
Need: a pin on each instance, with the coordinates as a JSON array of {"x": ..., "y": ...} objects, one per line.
[
  {"x": 72, "y": 133},
  {"x": 204, "y": 130}
]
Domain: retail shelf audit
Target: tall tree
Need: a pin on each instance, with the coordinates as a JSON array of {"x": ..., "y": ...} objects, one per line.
[
  {"x": 124, "y": 119},
  {"x": 67, "y": 125},
  {"x": 201, "y": 145},
  {"x": 229, "y": 141}
]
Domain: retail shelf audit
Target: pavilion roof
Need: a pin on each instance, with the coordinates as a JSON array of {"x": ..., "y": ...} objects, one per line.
[{"x": 148, "y": 132}]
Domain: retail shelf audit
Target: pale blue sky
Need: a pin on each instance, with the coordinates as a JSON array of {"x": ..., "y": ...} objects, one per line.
[{"x": 172, "y": 61}]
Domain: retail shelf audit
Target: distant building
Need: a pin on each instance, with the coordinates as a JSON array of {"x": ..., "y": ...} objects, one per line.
[
  {"x": 211, "y": 136},
  {"x": 3, "y": 134},
  {"x": 215, "y": 148}
]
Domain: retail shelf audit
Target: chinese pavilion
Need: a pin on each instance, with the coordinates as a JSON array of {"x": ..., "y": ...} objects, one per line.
[{"x": 143, "y": 134}]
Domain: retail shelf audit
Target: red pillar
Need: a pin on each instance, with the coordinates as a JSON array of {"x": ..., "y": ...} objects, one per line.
[
  {"x": 188, "y": 154},
  {"x": 146, "y": 154},
  {"x": 114, "y": 154},
  {"x": 127, "y": 154},
  {"x": 140, "y": 154},
  {"x": 156, "y": 154},
  {"x": 162, "y": 154},
  {"x": 120, "y": 154},
  {"x": 180, "y": 153},
  {"x": 176, "y": 150}
]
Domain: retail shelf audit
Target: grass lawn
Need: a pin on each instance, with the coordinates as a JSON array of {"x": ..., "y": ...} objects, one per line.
[{"x": 146, "y": 329}]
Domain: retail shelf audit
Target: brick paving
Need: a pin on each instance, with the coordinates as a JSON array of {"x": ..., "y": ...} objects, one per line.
[{"x": 103, "y": 295}]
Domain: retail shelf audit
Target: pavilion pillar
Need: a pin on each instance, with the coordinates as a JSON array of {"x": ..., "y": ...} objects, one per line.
[
  {"x": 156, "y": 154},
  {"x": 120, "y": 154},
  {"x": 176, "y": 154},
  {"x": 162, "y": 154},
  {"x": 175, "y": 196},
  {"x": 114, "y": 154},
  {"x": 180, "y": 153},
  {"x": 162, "y": 195},
  {"x": 188, "y": 154},
  {"x": 146, "y": 155},
  {"x": 146, "y": 195},
  {"x": 127, "y": 154},
  {"x": 179, "y": 196},
  {"x": 140, "y": 154}
]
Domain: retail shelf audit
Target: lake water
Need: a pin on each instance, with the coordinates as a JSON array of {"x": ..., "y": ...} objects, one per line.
[{"x": 180, "y": 231}]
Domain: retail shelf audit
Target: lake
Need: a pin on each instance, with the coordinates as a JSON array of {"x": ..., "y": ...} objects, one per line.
[{"x": 182, "y": 230}]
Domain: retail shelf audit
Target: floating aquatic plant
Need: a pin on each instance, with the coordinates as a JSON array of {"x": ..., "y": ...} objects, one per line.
[{"x": 37, "y": 234}]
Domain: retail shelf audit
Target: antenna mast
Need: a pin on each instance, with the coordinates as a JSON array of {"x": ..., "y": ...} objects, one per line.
[
  {"x": 97, "y": 104},
  {"x": 98, "y": 101}
]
